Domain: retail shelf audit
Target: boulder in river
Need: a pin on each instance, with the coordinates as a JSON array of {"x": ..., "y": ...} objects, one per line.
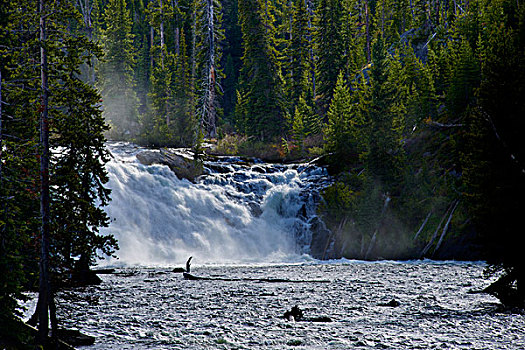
[
  {"x": 391, "y": 303},
  {"x": 183, "y": 166}
]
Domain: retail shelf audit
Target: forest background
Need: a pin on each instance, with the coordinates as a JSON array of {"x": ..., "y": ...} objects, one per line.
[{"x": 416, "y": 107}]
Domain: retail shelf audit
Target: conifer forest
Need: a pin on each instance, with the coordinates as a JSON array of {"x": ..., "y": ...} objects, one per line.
[{"x": 415, "y": 107}]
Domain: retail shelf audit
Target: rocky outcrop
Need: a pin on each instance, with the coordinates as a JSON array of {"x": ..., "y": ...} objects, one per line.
[{"x": 183, "y": 166}]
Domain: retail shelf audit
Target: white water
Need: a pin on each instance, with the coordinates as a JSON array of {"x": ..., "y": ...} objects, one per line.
[{"x": 236, "y": 214}]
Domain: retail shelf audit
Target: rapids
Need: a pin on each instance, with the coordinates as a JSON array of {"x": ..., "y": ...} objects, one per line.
[
  {"x": 154, "y": 308},
  {"x": 236, "y": 212}
]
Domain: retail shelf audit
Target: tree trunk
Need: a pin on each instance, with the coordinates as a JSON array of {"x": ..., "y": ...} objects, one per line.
[
  {"x": 176, "y": 29},
  {"x": 422, "y": 225},
  {"x": 151, "y": 38},
  {"x": 161, "y": 33},
  {"x": 44, "y": 295},
  {"x": 211, "y": 129},
  {"x": 433, "y": 238},
  {"x": 445, "y": 229}
]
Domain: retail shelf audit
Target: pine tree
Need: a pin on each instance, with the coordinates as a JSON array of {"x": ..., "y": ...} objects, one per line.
[
  {"x": 339, "y": 142},
  {"x": 49, "y": 60},
  {"x": 493, "y": 159},
  {"x": 384, "y": 151},
  {"x": 78, "y": 172},
  {"x": 258, "y": 111},
  {"x": 19, "y": 195},
  {"x": 116, "y": 72},
  {"x": 330, "y": 49},
  {"x": 297, "y": 52}
]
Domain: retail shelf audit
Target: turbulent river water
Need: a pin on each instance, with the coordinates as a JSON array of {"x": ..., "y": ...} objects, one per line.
[
  {"x": 248, "y": 228},
  {"x": 154, "y": 308}
]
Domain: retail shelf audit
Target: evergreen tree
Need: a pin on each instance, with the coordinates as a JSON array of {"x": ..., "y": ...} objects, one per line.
[
  {"x": 330, "y": 49},
  {"x": 298, "y": 52},
  {"x": 71, "y": 174},
  {"x": 116, "y": 72},
  {"x": 258, "y": 111},
  {"x": 78, "y": 172},
  {"x": 232, "y": 53},
  {"x": 384, "y": 152},
  {"x": 339, "y": 142},
  {"x": 494, "y": 169}
]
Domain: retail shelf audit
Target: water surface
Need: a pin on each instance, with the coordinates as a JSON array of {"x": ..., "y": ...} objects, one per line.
[{"x": 157, "y": 309}]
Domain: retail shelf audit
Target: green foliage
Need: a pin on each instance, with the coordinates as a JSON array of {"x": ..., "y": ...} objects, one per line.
[
  {"x": 259, "y": 106},
  {"x": 492, "y": 158},
  {"x": 78, "y": 156},
  {"x": 339, "y": 143},
  {"x": 115, "y": 72},
  {"x": 329, "y": 48}
]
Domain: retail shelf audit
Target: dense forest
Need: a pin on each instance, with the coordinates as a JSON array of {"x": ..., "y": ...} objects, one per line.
[{"x": 416, "y": 106}]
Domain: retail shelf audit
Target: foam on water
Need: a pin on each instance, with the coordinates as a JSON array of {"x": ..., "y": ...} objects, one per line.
[{"x": 244, "y": 214}]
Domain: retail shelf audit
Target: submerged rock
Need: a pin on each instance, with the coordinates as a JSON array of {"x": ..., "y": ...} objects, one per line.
[
  {"x": 296, "y": 314},
  {"x": 391, "y": 303},
  {"x": 75, "y": 338}
]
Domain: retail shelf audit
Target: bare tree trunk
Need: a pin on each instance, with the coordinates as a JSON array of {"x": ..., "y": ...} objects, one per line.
[
  {"x": 212, "y": 117},
  {"x": 176, "y": 30},
  {"x": 433, "y": 238},
  {"x": 445, "y": 229},
  {"x": 193, "y": 57},
  {"x": 422, "y": 226},
  {"x": 161, "y": 33},
  {"x": 151, "y": 38},
  {"x": 44, "y": 294}
]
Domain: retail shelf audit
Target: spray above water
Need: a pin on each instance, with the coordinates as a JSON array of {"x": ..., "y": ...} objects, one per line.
[{"x": 233, "y": 214}]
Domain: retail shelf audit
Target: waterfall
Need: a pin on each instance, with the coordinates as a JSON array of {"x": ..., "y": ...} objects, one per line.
[{"x": 235, "y": 213}]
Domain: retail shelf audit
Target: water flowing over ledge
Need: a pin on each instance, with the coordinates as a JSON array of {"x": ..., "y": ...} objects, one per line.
[{"x": 235, "y": 213}]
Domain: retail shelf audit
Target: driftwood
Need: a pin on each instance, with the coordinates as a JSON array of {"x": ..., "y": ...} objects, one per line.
[
  {"x": 103, "y": 271},
  {"x": 191, "y": 277},
  {"x": 296, "y": 314}
]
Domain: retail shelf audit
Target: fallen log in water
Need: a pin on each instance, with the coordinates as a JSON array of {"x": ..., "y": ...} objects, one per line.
[{"x": 189, "y": 276}]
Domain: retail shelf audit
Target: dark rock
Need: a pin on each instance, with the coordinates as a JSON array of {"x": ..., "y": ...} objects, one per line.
[
  {"x": 74, "y": 337},
  {"x": 183, "y": 166},
  {"x": 391, "y": 303},
  {"x": 259, "y": 169},
  {"x": 295, "y": 313},
  {"x": 255, "y": 209},
  {"x": 320, "y": 238}
]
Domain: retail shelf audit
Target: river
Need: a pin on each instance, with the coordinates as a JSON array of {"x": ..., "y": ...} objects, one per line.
[
  {"x": 154, "y": 308},
  {"x": 248, "y": 228}
]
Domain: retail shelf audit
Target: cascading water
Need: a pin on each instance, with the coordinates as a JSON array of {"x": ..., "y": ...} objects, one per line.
[{"x": 235, "y": 213}]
